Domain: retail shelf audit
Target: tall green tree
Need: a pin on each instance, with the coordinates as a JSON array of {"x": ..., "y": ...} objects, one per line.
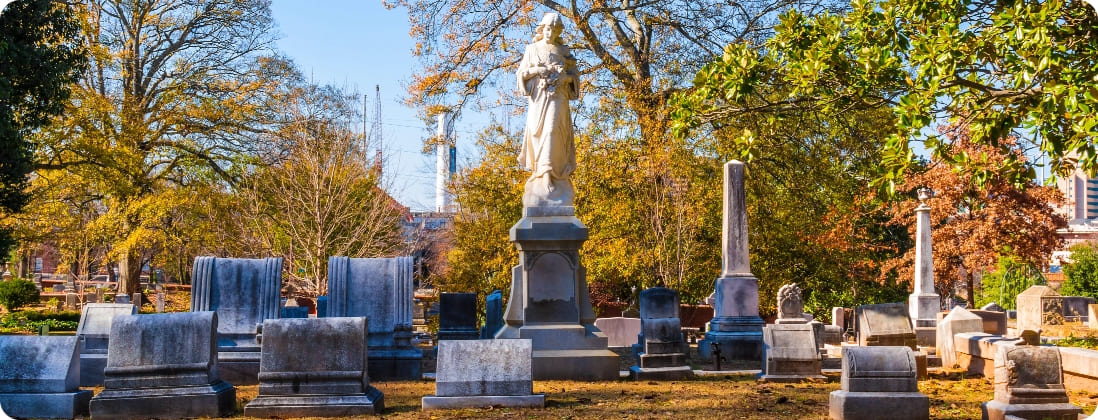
[
  {"x": 1021, "y": 67},
  {"x": 1081, "y": 275},
  {"x": 40, "y": 56}
]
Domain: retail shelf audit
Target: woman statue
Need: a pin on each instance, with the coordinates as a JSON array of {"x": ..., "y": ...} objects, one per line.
[{"x": 547, "y": 76}]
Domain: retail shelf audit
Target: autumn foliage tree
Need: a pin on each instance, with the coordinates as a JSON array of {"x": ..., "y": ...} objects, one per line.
[{"x": 975, "y": 221}]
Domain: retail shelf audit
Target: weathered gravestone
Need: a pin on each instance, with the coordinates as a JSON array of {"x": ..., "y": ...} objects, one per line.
[
  {"x": 457, "y": 316},
  {"x": 1038, "y": 306},
  {"x": 120, "y": 298},
  {"x": 294, "y": 381},
  {"x": 619, "y": 331},
  {"x": 39, "y": 377},
  {"x": 72, "y": 301},
  {"x": 736, "y": 328},
  {"x": 885, "y": 324},
  {"x": 321, "y": 306},
  {"x": 94, "y": 332},
  {"x": 878, "y": 383},
  {"x": 662, "y": 352},
  {"x": 993, "y": 306},
  {"x": 995, "y": 322},
  {"x": 484, "y": 373},
  {"x": 790, "y": 348},
  {"x": 1029, "y": 384},
  {"x": 959, "y": 320},
  {"x": 292, "y": 310},
  {"x": 379, "y": 289},
  {"x": 493, "y": 315},
  {"x": 163, "y": 366},
  {"x": 1075, "y": 308},
  {"x": 244, "y": 293}
]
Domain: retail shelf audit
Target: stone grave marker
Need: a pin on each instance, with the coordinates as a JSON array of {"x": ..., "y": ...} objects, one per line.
[
  {"x": 244, "y": 292},
  {"x": 161, "y": 299},
  {"x": 121, "y": 298},
  {"x": 993, "y": 306},
  {"x": 93, "y": 333},
  {"x": 1037, "y": 306},
  {"x": 878, "y": 382},
  {"x": 293, "y": 382},
  {"x": 381, "y": 290},
  {"x": 484, "y": 373},
  {"x": 39, "y": 377},
  {"x": 662, "y": 351},
  {"x": 292, "y": 310},
  {"x": 321, "y": 306},
  {"x": 163, "y": 366},
  {"x": 1075, "y": 308},
  {"x": 457, "y": 317},
  {"x": 959, "y": 320},
  {"x": 995, "y": 322},
  {"x": 72, "y": 301},
  {"x": 1029, "y": 384},
  {"x": 790, "y": 347},
  {"x": 619, "y": 331},
  {"x": 885, "y": 324},
  {"x": 493, "y": 314}
]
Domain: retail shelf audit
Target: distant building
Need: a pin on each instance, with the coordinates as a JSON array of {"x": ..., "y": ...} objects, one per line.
[
  {"x": 428, "y": 234},
  {"x": 1081, "y": 209}
]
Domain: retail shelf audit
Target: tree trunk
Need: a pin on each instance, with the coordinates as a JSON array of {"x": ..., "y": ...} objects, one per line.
[
  {"x": 971, "y": 289},
  {"x": 129, "y": 272}
]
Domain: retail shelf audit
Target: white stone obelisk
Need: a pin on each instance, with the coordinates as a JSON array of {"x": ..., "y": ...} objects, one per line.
[
  {"x": 923, "y": 304},
  {"x": 736, "y": 326}
]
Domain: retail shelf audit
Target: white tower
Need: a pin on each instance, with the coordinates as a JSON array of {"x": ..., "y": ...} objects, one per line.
[{"x": 443, "y": 161}]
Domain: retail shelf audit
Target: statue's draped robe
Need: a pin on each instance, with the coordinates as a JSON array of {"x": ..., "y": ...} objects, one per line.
[{"x": 548, "y": 148}]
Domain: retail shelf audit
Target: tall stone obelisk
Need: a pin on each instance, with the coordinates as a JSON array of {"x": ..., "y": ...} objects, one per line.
[
  {"x": 736, "y": 326},
  {"x": 923, "y": 305}
]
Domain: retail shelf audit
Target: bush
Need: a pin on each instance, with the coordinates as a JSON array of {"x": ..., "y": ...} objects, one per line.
[
  {"x": 16, "y": 293},
  {"x": 1081, "y": 276}
]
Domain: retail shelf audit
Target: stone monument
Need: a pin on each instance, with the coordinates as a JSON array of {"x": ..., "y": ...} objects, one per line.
[
  {"x": 736, "y": 327},
  {"x": 484, "y": 373},
  {"x": 163, "y": 366},
  {"x": 457, "y": 316},
  {"x": 662, "y": 353},
  {"x": 94, "y": 332},
  {"x": 620, "y": 331},
  {"x": 1038, "y": 306},
  {"x": 878, "y": 383},
  {"x": 39, "y": 377},
  {"x": 294, "y": 381},
  {"x": 493, "y": 314},
  {"x": 885, "y": 324},
  {"x": 244, "y": 293},
  {"x": 1029, "y": 384},
  {"x": 959, "y": 320},
  {"x": 549, "y": 302},
  {"x": 790, "y": 346},
  {"x": 924, "y": 303},
  {"x": 380, "y": 289}
]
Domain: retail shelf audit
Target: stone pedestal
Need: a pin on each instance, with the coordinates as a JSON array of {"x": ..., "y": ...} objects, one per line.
[
  {"x": 923, "y": 304},
  {"x": 39, "y": 377},
  {"x": 484, "y": 373},
  {"x": 294, "y": 382},
  {"x": 550, "y": 304},
  {"x": 878, "y": 383},
  {"x": 174, "y": 375},
  {"x": 662, "y": 351}
]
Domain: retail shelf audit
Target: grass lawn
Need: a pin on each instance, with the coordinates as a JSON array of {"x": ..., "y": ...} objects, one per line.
[{"x": 952, "y": 396}]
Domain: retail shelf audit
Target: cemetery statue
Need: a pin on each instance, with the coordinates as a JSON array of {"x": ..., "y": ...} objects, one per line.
[{"x": 547, "y": 75}]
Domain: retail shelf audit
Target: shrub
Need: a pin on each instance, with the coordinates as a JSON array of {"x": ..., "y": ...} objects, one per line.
[
  {"x": 1081, "y": 276},
  {"x": 16, "y": 293}
]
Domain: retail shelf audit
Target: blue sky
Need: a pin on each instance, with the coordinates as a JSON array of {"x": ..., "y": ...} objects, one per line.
[{"x": 357, "y": 45}]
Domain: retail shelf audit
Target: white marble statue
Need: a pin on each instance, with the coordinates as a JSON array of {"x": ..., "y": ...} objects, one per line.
[{"x": 547, "y": 76}]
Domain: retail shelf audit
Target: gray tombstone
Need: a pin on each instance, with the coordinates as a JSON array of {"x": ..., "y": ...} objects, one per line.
[
  {"x": 379, "y": 289},
  {"x": 121, "y": 298},
  {"x": 879, "y": 382},
  {"x": 244, "y": 293},
  {"x": 619, "y": 331},
  {"x": 457, "y": 316},
  {"x": 293, "y": 312},
  {"x": 493, "y": 314},
  {"x": 294, "y": 382},
  {"x": 39, "y": 377},
  {"x": 662, "y": 354},
  {"x": 885, "y": 324},
  {"x": 993, "y": 306},
  {"x": 321, "y": 306},
  {"x": 791, "y": 346},
  {"x": 163, "y": 366},
  {"x": 1038, "y": 306},
  {"x": 959, "y": 320},
  {"x": 160, "y": 301},
  {"x": 1075, "y": 308},
  {"x": 484, "y": 373},
  {"x": 1029, "y": 384},
  {"x": 995, "y": 322},
  {"x": 94, "y": 332},
  {"x": 72, "y": 301},
  {"x": 790, "y": 305}
]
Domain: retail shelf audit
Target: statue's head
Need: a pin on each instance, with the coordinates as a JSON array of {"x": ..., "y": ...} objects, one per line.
[{"x": 549, "y": 28}]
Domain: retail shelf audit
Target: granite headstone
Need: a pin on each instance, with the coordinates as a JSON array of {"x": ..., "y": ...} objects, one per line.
[
  {"x": 878, "y": 382},
  {"x": 959, "y": 320},
  {"x": 94, "y": 332},
  {"x": 457, "y": 318},
  {"x": 484, "y": 373},
  {"x": 1029, "y": 384},
  {"x": 39, "y": 377},
  {"x": 662, "y": 353},
  {"x": 493, "y": 314}
]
